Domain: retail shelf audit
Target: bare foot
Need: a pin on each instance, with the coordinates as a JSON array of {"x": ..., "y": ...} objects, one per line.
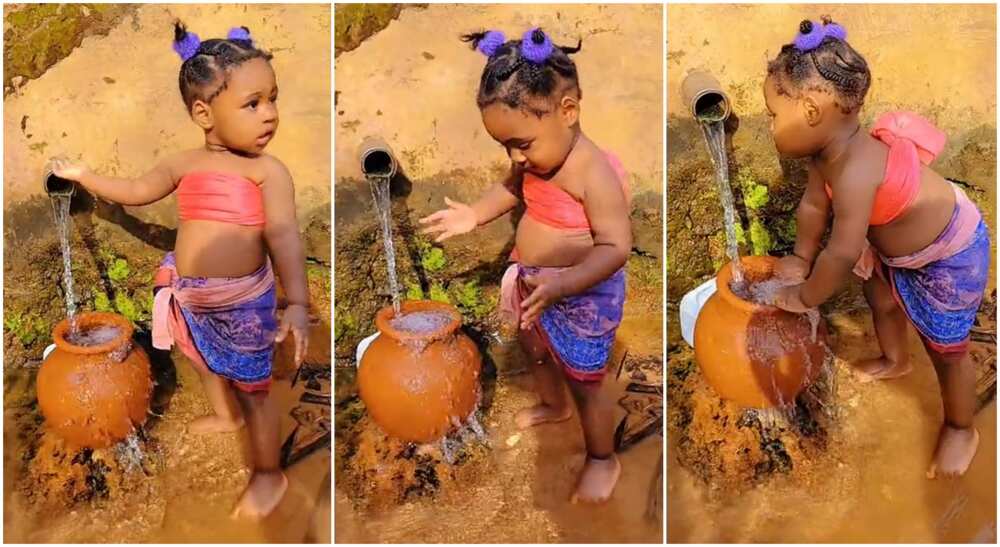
[
  {"x": 262, "y": 495},
  {"x": 597, "y": 480},
  {"x": 213, "y": 423},
  {"x": 880, "y": 368},
  {"x": 541, "y": 414},
  {"x": 955, "y": 449}
]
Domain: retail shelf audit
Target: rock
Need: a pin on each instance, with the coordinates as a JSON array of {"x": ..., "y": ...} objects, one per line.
[{"x": 513, "y": 440}]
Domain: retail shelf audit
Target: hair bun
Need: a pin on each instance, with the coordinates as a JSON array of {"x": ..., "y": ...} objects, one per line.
[
  {"x": 239, "y": 33},
  {"x": 536, "y": 46},
  {"x": 186, "y": 43},
  {"x": 806, "y": 26}
]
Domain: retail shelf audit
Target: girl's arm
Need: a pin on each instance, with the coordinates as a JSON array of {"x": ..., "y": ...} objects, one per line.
[
  {"x": 607, "y": 211},
  {"x": 811, "y": 217},
  {"x": 852, "y": 205},
  {"x": 281, "y": 232},
  {"x": 499, "y": 199},
  {"x": 460, "y": 218},
  {"x": 148, "y": 188}
]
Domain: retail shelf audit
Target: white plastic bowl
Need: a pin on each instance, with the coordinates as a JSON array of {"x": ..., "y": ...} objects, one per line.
[
  {"x": 362, "y": 346},
  {"x": 691, "y": 306}
]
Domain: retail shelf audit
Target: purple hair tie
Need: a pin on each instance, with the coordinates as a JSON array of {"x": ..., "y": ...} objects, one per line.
[
  {"x": 186, "y": 47},
  {"x": 810, "y": 36},
  {"x": 536, "y": 46},
  {"x": 491, "y": 42},
  {"x": 834, "y": 30},
  {"x": 239, "y": 33}
]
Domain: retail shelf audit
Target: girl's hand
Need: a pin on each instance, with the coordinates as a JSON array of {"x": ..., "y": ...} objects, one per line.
[
  {"x": 457, "y": 219},
  {"x": 792, "y": 267},
  {"x": 790, "y": 299},
  {"x": 65, "y": 169},
  {"x": 546, "y": 290},
  {"x": 295, "y": 319}
]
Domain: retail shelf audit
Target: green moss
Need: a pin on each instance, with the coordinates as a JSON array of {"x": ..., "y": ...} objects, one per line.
[
  {"x": 760, "y": 239},
  {"x": 28, "y": 328},
  {"x": 344, "y": 324},
  {"x": 102, "y": 302},
  {"x": 741, "y": 235},
  {"x": 414, "y": 292},
  {"x": 353, "y": 23},
  {"x": 439, "y": 293},
  {"x": 128, "y": 307},
  {"x": 433, "y": 259},
  {"x": 118, "y": 270},
  {"x": 755, "y": 195},
  {"x": 37, "y": 36},
  {"x": 469, "y": 298}
]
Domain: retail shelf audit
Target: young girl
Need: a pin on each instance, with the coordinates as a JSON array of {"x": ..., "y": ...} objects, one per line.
[
  {"x": 915, "y": 237},
  {"x": 566, "y": 287},
  {"x": 216, "y": 292}
]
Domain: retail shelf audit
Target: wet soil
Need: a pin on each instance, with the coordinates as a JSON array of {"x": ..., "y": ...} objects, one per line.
[
  {"x": 514, "y": 490},
  {"x": 852, "y": 487}
]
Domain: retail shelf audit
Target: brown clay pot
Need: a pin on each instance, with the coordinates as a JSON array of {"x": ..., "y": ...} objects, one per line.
[
  {"x": 418, "y": 386},
  {"x": 755, "y": 355},
  {"x": 94, "y": 396}
]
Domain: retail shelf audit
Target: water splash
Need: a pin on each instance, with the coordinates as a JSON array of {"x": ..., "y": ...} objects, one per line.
[
  {"x": 60, "y": 212},
  {"x": 715, "y": 138},
  {"x": 465, "y": 435},
  {"x": 129, "y": 453},
  {"x": 383, "y": 205}
]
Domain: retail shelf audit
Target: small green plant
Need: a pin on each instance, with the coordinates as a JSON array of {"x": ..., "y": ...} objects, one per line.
[
  {"x": 343, "y": 324},
  {"x": 755, "y": 195},
  {"x": 127, "y": 307},
  {"x": 439, "y": 294},
  {"x": 469, "y": 298},
  {"x": 433, "y": 260},
  {"x": 102, "y": 302},
  {"x": 760, "y": 239},
  {"x": 118, "y": 270},
  {"x": 414, "y": 292},
  {"x": 27, "y": 328}
]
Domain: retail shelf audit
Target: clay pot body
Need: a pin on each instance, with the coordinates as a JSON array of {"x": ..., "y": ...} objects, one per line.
[
  {"x": 756, "y": 355},
  {"x": 94, "y": 396},
  {"x": 418, "y": 386}
]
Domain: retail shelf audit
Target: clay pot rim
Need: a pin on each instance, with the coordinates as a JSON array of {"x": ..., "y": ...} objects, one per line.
[
  {"x": 726, "y": 275},
  {"x": 90, "y": 319},
  {"x": 384, "y": 326}
]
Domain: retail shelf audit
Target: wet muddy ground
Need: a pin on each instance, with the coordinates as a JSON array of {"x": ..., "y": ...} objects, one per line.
[
  {"x": 517, "y": 488},
  {"x": 864, "y": 483}
]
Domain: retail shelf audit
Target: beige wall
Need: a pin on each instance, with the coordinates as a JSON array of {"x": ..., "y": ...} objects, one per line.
[
  {"x": 415, "y": 84},
  {"x": 114, "y": 102},
  {"x": 937, "y": 59}
]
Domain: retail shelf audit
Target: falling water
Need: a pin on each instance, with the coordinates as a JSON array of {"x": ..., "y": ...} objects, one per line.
[
  {"x": 383, "y": 205},
  {"x": 715, "y": 138},
  {"x": 60, "y": 210}
]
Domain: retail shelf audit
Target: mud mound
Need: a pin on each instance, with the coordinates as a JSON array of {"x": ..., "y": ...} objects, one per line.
[
  {"x": 379, "y": 472},
  {"x": 732, "y": 449}
]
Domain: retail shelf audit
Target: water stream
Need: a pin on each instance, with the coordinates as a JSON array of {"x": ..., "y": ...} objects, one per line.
[
  {"x": 383, "y": 205},
  {"x": 60, "y": 211},
  {"x": 715, "y": 138}
]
